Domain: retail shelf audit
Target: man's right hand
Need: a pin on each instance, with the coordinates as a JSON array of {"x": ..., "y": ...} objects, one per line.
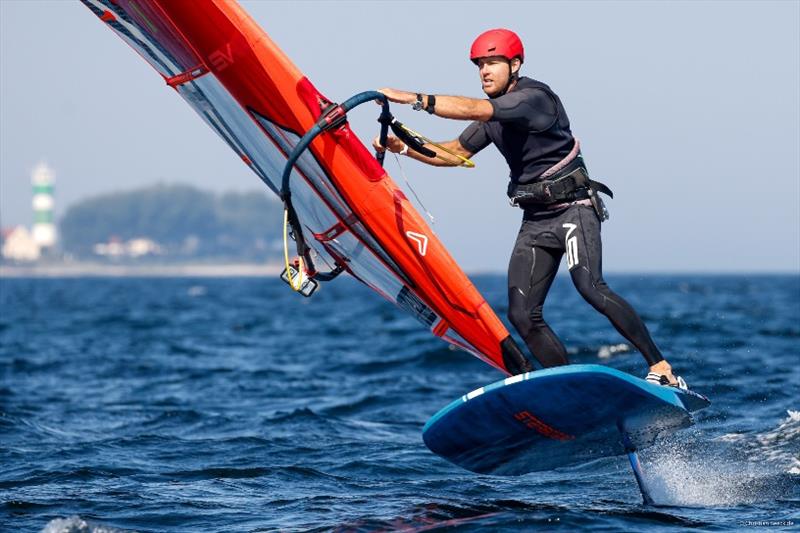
[{"x": 393, "y": 144}]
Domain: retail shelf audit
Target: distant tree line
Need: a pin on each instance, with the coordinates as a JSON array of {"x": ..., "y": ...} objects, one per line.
[{"x": 185, "y": 221}]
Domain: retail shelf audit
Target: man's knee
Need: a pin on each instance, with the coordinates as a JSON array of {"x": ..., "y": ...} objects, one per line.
[
  {"x": 524, "y": 320},
  {"x": 518, "y": 313},
  {"x": 519, "y": 318},
  {"x": 593, "y": 291}
]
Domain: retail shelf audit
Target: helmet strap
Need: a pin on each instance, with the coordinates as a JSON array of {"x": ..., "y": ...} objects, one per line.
[{"x": 512, "y": 77}]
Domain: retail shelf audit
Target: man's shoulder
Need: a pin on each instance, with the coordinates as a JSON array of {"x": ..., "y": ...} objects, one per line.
[
  {"x": 534, "y": 92},
  {"x": 525, "y": 82}
]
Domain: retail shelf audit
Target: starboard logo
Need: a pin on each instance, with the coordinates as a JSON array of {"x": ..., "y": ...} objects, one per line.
[
  {"x": 572, "y": 246},
  {"x": 221, "y": 60},
  {"x": 531, "y": 422},
  {"x": 420, "y": 239}
]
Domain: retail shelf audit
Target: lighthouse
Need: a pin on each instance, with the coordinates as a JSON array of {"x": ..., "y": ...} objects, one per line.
[{"x": 44, "y": 229}]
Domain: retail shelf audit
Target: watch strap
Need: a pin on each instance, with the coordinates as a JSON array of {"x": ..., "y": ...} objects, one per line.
[{"x": 431, "y": 107}]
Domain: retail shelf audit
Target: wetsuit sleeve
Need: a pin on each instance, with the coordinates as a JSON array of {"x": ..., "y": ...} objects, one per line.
[
  {"x": 531, "y": 108},
  {"x": 475, "y": 138}
]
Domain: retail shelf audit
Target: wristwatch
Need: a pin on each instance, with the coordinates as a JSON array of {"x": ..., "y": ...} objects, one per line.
[{"x": 417, "y": 106}]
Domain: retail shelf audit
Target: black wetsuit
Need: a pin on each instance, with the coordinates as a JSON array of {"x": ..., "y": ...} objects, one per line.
[{"x": 531, "y": 129}]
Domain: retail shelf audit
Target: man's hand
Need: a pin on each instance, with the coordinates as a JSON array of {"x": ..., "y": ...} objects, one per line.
[
  {"x": 399, "y": 97},
  {"x": 393, "y": 144}
]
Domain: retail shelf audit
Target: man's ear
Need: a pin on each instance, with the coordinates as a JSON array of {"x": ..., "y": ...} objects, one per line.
[{"x": 515, "y": 65}]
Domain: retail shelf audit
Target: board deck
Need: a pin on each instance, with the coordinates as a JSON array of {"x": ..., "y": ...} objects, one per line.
[{"x": 556, "y": 417}]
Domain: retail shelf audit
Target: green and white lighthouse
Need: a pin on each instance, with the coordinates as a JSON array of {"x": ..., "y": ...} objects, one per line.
[{"x": 44, "y": 228}]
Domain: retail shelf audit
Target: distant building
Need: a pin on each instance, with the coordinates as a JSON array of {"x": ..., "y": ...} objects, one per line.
[
  {"x": 44, "y": 228},
  {"x": 142, "y": 246},
  {"x": 112, "y": 248},
  {"x": 20, "y": 245},
  {"x": 133, "y": 248}
]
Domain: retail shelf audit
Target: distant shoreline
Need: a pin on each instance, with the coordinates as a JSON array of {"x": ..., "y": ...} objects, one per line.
[
  {"x": 233, "y": 269},
  {"x": 77, "y": 270}
]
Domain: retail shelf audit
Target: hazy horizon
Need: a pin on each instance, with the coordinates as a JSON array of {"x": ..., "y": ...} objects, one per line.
[{"x": 689, "y": 111}]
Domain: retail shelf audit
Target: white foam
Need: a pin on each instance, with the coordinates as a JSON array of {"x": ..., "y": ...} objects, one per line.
[
  {"x": 196, "y": 290},
  {"x": 606, "y": 351},
  {"x": 702, "y": 481},
  {"x": 76, "y": 524},
  {"x": 730, "y": 470}
]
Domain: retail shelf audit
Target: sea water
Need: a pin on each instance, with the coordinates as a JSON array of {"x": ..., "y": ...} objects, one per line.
[{"x": 157, "y": 404}]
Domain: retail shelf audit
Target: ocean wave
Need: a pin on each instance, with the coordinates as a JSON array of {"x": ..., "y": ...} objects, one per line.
[
  {"x": 54, "y": 477},
  {"x": 235, "y": 411},
  {"x": 302, "y": 413},
  {"x": 779, "y": 446},
  {"x": 219, "y": 473},
  {"x": 789, "y": 333}
]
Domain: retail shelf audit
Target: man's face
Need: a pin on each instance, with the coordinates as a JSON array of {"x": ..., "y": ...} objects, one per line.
[{"x": 494, "y": 72}]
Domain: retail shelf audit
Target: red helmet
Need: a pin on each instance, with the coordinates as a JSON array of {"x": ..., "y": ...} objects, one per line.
[{"x": 499, "y": 42}]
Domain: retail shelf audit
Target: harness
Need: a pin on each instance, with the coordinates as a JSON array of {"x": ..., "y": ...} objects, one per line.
[{"x": 569, "y": 184}]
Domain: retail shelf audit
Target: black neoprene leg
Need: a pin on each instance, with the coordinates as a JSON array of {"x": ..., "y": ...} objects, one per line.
[
  {"x": 531, "y": 271},
  {"x": 587, "y": 275}
]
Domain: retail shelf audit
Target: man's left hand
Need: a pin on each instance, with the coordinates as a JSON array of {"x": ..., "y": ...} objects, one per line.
[{"x": 399, "y": 97}]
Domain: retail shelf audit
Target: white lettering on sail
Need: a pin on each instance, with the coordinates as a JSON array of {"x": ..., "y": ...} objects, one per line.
[{"x": 420, "y": 239}]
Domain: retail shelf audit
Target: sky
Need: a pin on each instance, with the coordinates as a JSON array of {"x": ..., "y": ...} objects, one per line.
[{"x": 689, "y": 111}]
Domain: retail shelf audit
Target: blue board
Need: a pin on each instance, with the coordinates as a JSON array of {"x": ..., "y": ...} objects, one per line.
[{"x": 556, "y": 417}]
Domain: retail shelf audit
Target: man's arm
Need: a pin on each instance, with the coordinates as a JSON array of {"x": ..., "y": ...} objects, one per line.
[
  {"x": 444, "y": 159},
  {"x": 395, "y": 145},
  {"x": 455, "y": 107},
  {"x": 532, "y": 108}
]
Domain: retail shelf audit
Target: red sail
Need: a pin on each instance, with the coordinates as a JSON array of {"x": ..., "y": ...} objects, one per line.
[{"x": 352, "y": 212}]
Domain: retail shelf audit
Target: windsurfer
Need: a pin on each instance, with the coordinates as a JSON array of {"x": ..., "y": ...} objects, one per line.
[{"x": 562, "y": 210}]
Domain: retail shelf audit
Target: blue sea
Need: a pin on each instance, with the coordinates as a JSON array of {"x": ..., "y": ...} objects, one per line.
[{"x": 234, "y": 404}]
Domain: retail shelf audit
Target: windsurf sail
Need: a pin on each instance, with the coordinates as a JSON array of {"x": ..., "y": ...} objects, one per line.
[{"x": 347, "y": 210}]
